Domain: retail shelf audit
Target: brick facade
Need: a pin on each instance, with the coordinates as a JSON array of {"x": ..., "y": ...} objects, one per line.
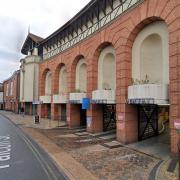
[
  {"x": 11, "y": 96},
  {"x": 121, "y": 34}
]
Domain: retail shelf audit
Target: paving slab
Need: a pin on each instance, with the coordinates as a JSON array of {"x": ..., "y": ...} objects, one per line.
[
  {"x": 67, "y": 136},
  {"x": 93, "y": 148},
  {"x": 73, "y": 169},
  {"x": 82, "y": 133},
  {"x": 85, "y": 140},
  {"x": 113, "y": 144},
  {"x": 111, "y": 136},
  {"x": 102, "y": 133}
]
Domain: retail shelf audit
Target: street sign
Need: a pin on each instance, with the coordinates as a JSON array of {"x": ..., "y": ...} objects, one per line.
[{"x": 85, "y": 103}]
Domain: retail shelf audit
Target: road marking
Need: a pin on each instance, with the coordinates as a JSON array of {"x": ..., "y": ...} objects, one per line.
[
  {"x": 39, "y": 157},
  {"x": 5, "y": 166},
  {"x": 5, "y": 151}
]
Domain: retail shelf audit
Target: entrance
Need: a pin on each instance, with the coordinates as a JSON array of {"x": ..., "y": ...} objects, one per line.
[
  {"x": 27, "y": 108},
  {"x": 147, "y": 121},
  {"x": 82, "y": 116},
  {"x": 34, "y": 109},
  {"x": 63, "y": 112},
  {"x": 49, "y": 111},
  {"x": 109, "y": 117}
]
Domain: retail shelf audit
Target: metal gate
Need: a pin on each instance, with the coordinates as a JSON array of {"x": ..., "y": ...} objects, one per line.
[
  {"x": 147, "y": 121},
  {"x": 63, "y": 112},
  {"x": 82, "y": 117},
  {"x": 109, "y": 117},
  {"x": 49, "y": 111}
]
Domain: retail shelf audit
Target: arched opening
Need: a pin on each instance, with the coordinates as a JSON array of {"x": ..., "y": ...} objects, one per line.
[
  {"x": 81, "y": 76},
  {"x": 151, "y": 59},
  {"x": 107, "y": 69},
  {"x": 149, "y": 89},
  {"x": 150, "y": 54},
  {"x": 46, "y": 91},
  {"x": 48, "y": 83},
  {"x": 105, "y": 95},
  {"x": 62, "y": 95},
  {"x": 63, "y": 80}
]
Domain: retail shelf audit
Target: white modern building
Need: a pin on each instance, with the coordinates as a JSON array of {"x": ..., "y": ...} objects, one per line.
[{"x": 29, "y": 71}]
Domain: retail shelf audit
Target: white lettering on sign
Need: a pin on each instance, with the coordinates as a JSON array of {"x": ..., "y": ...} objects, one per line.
[{"x": 5, "y": 150}]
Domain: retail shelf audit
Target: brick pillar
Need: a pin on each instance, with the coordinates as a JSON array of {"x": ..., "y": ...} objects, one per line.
[
  {"x": 42, "y": 110},
  {"x": 127, "y": 123},
  {"x": 73, "y": 115},
  {"x": 174, "y": 65},
  {"x": 95, "y": 118},
  {"x": 55, "y": 111}
]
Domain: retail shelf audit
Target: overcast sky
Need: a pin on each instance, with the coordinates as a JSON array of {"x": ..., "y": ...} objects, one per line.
[{"x": 43, "y": 17}]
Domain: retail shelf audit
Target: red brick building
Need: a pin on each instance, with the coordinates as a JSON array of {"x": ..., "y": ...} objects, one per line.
[
  {"x": 1, "y": 96},
  {"x": 116, "y": 53},
  {"x": 11, "y": 92}
]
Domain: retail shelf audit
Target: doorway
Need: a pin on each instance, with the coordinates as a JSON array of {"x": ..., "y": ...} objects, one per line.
[{"x": 109, "y": 117}]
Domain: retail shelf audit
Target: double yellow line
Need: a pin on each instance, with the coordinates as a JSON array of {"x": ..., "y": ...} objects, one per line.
[{"x": 49, "y": 172}]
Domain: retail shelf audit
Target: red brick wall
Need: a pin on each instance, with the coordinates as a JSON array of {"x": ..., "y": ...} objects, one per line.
[
  {"x": 121, "y": 34},
  {"x": 11, "y": 102}
]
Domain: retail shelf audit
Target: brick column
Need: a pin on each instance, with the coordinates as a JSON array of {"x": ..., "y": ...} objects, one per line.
[
  {"x": 42, "y": 110},
  {"x": 127, "y": 123},
  {"x": 174, "y": 84},
  {"x": 95, "y": 119},
  {"x": 73, "y": 115},
  {"x": 55, "y": 111}
]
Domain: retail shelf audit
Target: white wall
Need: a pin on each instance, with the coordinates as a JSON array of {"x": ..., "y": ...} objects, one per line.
[
  {"x": 150, "y": 54},
  {"x": 1, "y": 97},
  {"x": 29, "y": 74},
  {"x": 107, "y": 69},
  {"x": 81, "y": 76},
  {"x": 63, "y": 80},
  {"x": 48, "y": 81}
]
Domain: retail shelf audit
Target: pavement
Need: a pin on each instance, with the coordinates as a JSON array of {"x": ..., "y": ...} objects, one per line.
[{"x": 82, "y": 155}]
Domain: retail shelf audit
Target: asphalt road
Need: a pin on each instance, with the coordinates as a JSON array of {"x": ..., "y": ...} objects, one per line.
[{"x": 21, "y": 158}]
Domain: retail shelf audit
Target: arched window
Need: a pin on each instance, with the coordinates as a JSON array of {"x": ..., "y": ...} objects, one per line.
[
  {"x": 63, "y": 80},
  {"x": 107, "y": 69},
  {"x": 150, "y": 54},
  {"x": 81, "y": 76},
  {"x": 48, "y": 83}
]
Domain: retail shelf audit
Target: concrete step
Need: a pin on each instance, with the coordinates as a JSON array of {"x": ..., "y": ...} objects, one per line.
[
  {"x": 103, "y": 133},
  {"x": 82, "y": 133},
  {"x": 112, "y": 144},
  {"x": 108, "y": 136}
]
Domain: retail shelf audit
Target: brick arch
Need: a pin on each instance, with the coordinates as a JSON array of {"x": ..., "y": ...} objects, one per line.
[
  {"x": 56, "y": 78},
  {"x": 137, "y": 29},
  {"x": 73, "y": 70},
  {"x": 170, "y": 18},
  {"x": 42, "y": 80}
]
